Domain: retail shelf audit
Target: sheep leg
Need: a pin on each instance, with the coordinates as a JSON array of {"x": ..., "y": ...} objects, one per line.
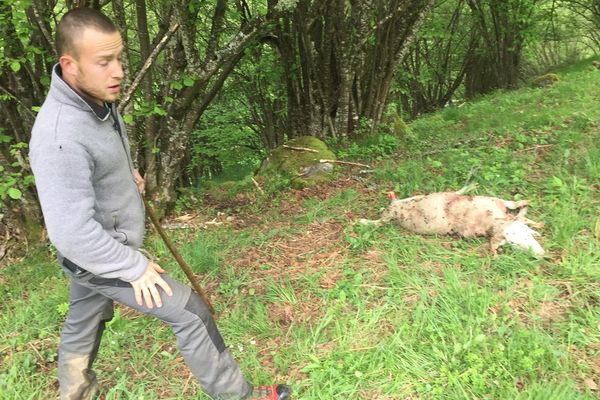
[
  {"x": 533, "y": 224},
  {"x": 467, "y": 188},
  {"x": 372, "y": 222},
  {"x": 515, "y": 205},
  {"x": 408, "y": 199}
]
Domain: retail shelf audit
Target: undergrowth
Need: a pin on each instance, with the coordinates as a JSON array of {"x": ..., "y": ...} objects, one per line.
[{"x": 350, "y": 312}]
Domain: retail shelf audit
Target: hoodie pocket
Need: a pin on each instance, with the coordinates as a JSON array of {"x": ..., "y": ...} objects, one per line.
[{"x": 120, "y": 235}]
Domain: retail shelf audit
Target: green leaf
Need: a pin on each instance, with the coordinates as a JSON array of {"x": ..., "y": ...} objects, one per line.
[
  {"x": 14, "y": 193},
  {"x": 159, "y": 111},
  {"x": 187, "y": 81},
  {"x": 35, "y": 108},
  {"x": 176, "y": 85},
  {"x": 15, "y": 65},
  {"x": 28, "y": 180},
  {"x": 128, "y": 118}
]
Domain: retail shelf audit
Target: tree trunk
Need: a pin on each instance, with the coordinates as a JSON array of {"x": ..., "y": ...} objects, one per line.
[
  {"x": 339, "y": 61},
  {"x": 500, "y": 28}
]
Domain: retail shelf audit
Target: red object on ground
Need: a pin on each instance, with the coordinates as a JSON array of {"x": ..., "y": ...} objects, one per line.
[
  {"x": 391, "y": 195},
  {"x": 273, "y": 392}
]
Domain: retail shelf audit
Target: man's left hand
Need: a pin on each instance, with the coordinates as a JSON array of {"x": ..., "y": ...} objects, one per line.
[{"x": 139, "y": 181}]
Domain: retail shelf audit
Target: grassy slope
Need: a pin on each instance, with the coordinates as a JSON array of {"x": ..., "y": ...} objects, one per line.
[{"x": 346, "y": 312}]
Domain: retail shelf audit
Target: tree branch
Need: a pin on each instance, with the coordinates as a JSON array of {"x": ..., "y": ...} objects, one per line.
[
  {"x": 299, "y": 148},
  {"x": 147, "y": 64},
  {"x": 15, "y": 98},
  {"x": 345, "y": 163}
]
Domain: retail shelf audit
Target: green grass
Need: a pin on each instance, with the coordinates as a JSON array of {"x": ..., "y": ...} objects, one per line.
[{"x": 350, "y": 312}]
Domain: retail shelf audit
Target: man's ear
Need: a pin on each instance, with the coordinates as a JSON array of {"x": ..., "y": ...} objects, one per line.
[{"x": 68, "y": 65}]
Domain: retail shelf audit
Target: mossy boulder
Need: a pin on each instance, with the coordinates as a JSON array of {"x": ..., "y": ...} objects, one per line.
[
  {"x": 545, "y": 80},
  {"x": 396, "y": 126},
  {"x": 299, "y": 160}
]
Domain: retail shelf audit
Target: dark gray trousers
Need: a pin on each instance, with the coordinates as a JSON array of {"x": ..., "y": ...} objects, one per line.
[{"x": 198, "y": 339}]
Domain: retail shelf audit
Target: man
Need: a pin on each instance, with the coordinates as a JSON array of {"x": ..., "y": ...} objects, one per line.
[{"x": 90, "y": 197}]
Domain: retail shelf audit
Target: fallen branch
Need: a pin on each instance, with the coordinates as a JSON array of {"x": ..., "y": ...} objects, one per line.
[
  {"x": 346, "y": 163},
  {"x": 146, "y": 66},
  {"x": 537, "y": 146},
  {"x": 300, "y": 148},
  {"x": 257, "y": 186}
]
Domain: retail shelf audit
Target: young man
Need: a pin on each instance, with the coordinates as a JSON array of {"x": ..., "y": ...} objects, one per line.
[{"x": 90, "y": 197}]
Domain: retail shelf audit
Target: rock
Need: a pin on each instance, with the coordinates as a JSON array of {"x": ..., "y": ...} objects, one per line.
[
  {"x": 299, "y": 160},
  {"x": 545, "y": 80}
]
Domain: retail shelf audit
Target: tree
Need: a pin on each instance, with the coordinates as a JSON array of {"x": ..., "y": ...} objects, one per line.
[
  {"x": 202, "y": 44},
  {"x": 436, "y": 64},
  {"x": 192, "y": 70},
  {"x": 589, "y": 18},
  {"x": 501, "y": 29},
  {"x": 339, "y": 59},
  {"x": 26, "y": 53}
]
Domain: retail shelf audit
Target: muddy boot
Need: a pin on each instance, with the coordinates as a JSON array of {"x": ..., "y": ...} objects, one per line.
[{"x": 76, "y": 380}]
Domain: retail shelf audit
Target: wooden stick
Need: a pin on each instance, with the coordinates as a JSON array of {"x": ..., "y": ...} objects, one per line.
[
  {"x": 146, "y": 66},
  {"x": 257, "y": 186},
  {"x": 346, "y": 163},
  {"x": 180, "y": 260},
  {"x": 300, "y": 148},
  {"x": 537, "y": 146}
]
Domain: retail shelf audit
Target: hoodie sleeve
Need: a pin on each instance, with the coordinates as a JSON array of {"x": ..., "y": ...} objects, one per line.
[{"x": 63, "y": 175}]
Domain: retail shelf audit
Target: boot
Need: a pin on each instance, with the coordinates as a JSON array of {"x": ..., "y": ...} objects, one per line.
[{"x": 76, "y": 380}]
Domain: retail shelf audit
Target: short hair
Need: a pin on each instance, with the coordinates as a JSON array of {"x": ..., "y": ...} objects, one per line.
[{"x": 74, "y": 22}]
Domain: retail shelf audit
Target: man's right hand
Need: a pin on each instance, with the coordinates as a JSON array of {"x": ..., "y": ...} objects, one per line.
[{"x": 144, "y": 288}]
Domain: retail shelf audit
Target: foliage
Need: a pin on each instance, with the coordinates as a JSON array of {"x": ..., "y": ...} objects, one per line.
[
  {"x": 14, "y": 179},
  {"x": 373, "y": 147},
  {"x": 558, "y": 38},
  {"x": 346, "y": 311},
  {"x": 259, "y": 77},
  {"x": 224, "y": 142},
  {"x": 434, "y": 69}
]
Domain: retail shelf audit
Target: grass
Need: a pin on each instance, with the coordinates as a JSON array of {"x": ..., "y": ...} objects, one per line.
[{"x": 349, "y": 312}]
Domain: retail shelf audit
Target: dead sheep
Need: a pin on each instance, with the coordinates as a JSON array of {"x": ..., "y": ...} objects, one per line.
[{"x": 453, "y": 213}]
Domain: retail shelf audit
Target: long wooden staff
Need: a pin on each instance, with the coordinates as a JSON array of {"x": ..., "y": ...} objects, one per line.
[{"x": 180, "y": 260}]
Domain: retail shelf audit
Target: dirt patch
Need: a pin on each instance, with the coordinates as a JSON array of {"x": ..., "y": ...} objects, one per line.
[
  {"x": 315, "y": 248},
  {"x": 224, "y": 203},
  {"x": 595, "y": 365},
  {"x": 324, "y": 191},
  {"x": 552, "y": 311},
  {"x": 514, "y": 308}
]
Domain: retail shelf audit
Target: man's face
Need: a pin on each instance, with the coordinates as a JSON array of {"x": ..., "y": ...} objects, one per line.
[{"x": 96, "y": 70}]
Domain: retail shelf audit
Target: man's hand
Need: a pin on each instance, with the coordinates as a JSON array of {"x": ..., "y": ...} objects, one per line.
[
  {"x": 139, "y": 181},
  {"x": 144, "y": 288}
]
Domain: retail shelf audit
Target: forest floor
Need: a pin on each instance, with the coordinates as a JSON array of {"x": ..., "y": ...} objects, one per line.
[{"x": 304, "y": 295}]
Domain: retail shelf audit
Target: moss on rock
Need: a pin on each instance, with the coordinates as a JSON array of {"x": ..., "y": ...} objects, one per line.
[
  {"x": 301, "y": 166},
  {"x": 545, "y": 80}
]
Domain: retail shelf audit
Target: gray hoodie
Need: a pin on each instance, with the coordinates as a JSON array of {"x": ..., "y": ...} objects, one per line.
[{"x": 84, "y": 177}]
